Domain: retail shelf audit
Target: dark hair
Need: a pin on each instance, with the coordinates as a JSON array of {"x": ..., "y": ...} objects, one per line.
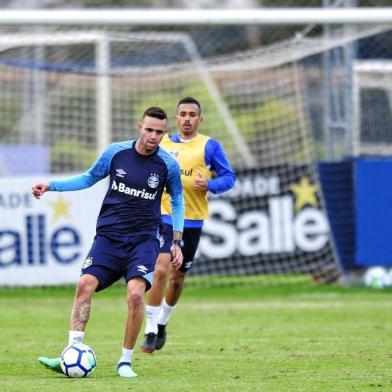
[
  {"x": 190, "y": 100},
  {"x": 155, "y": 112}
]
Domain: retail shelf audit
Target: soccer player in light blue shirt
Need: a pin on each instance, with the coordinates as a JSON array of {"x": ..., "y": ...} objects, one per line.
[{"x": 126, "y": 242}]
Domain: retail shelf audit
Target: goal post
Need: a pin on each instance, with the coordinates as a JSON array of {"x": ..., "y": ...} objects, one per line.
[
  {"x": 259, "y": 77},
  {"x": 102, "y": 40}
]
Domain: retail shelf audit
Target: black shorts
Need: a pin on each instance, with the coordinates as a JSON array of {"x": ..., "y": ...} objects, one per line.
[
  {"x": 129, "y": 257},
  {"x": 191, "y": 237}
]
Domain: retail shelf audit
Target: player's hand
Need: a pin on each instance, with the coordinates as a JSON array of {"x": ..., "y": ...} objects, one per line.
[
  {"x": 39, "y": 189},
  {"x": 177, "y": 256},
  {"x": 201, "y": 183}
]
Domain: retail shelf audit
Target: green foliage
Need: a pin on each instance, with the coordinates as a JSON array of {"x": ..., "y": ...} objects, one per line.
[
  {"x": 268, "y": 119},
  {"x": 261, "y": 124},
  {"x": 268, "y": 124},
  {"x": 10, "y": 116},
  {"x": 69, "y": 155},
  {"x": 212, "y": 125},
  {"x": 168, "y": 102}
]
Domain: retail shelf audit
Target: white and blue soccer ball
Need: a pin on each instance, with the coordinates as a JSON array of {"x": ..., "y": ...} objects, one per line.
[
  {"x": 78, "y": 360},
  {"x": 377, "y": 277}
]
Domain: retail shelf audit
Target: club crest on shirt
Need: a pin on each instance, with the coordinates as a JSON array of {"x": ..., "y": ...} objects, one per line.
[
  {"x": 153, "y": 180},
  {"x": 87, "y": 262},
  {"x": 161, "y": 241}
]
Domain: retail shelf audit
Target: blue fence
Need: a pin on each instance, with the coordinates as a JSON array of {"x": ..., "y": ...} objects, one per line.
[{"x": 358, "y": 200}]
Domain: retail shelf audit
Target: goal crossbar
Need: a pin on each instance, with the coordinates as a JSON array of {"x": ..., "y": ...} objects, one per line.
[{"x": 266, "y": 16}]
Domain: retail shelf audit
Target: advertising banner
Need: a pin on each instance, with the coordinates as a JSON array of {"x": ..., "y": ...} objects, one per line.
[
  {"x": 271, "y": 221},
  {"x": 44, "y": 242}
]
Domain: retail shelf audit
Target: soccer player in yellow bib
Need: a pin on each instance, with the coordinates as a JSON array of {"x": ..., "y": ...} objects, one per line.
[{"x": 199, "y": 157}]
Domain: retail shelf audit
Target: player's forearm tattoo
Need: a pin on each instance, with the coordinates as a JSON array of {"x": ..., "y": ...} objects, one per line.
[{"x": 80, "y": 315}]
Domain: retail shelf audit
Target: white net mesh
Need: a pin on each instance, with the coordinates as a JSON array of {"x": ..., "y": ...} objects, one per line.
[
  {"x": 373, "y": 107},
  {"x": 71, "y": 92}
]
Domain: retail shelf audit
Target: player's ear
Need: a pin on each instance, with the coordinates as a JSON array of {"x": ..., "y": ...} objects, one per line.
[{"x": 201, "y": 119}]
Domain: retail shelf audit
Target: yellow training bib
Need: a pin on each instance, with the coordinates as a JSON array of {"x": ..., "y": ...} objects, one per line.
[{"x": 191, "y": 158}]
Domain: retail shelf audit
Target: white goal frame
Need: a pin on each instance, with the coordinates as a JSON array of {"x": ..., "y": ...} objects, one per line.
[
  {"x": 278, "y": 202},
  {"x": 166, "y": 17},
  {"x": 101, "y": 41},
  {"x": 182, "y": 17},
  {"x": 161, "y": 17}
]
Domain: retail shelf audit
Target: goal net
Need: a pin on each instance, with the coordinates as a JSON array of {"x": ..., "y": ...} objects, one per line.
[
  {"x": 372, "y": 95},
  {"x": 67, "y": 93}
]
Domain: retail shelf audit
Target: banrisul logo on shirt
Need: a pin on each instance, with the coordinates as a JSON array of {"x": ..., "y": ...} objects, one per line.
[
  {"x": 122, "y": 188},
  {"x": 153, "y": 180}
]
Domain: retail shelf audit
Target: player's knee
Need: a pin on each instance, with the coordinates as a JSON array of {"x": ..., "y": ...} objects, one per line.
[
  {"x": 134, "y": 299},
  {"x": 162, "y": 265},
  {"x": 85, "y": 287},
  {"x": 160, "y": 274}
]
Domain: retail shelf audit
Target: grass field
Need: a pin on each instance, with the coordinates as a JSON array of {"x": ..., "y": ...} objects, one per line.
[{"x": 295, "y": 338}]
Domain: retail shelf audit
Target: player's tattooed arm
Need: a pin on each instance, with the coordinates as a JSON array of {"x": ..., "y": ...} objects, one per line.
[{"x": 80, "y": 315}]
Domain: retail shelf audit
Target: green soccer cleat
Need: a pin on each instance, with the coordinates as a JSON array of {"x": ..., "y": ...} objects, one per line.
[
  {"x": 51, "y": 363},
  {"x": 124, "y": 369}
]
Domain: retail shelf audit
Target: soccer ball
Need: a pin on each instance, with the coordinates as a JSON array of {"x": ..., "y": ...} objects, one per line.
[
  {"x": 78, "y": 360},
  {"x": 377, "y": 277}
]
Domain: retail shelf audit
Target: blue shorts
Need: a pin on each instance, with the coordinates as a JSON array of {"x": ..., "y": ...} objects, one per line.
[
  {"x": 191, "y": 237},
  {"x": 129, "y": 257}
]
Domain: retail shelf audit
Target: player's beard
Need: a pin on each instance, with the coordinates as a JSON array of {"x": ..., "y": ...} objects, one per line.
[
  {"x": 150, "y": 146},
  {"x": 147, "y": 146}
]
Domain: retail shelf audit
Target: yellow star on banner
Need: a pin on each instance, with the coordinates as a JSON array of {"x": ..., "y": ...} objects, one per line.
[
  {"x": 305, "y": 193},
  {"x": 60, "y": 208}
]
